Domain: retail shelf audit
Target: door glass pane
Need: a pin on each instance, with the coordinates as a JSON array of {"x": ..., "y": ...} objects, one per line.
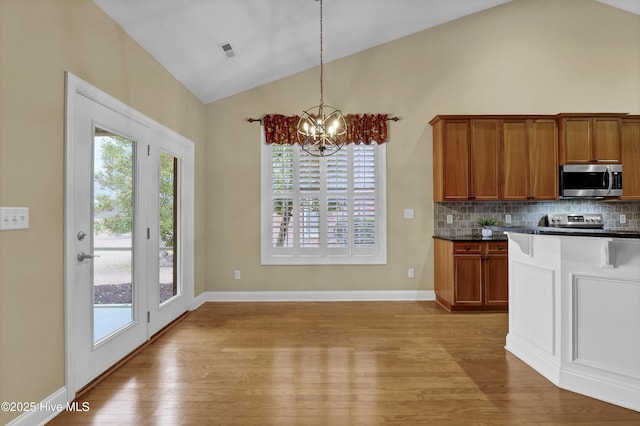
[
  {"x": 168, "y": 247},
  {"x": 113, "y": 212}
]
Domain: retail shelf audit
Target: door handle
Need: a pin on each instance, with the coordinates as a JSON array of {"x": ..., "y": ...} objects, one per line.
[{"x": 82, "y": 256}]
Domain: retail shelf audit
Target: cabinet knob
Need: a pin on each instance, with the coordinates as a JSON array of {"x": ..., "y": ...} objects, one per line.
[
  {"x": 467, "y": 248},
  {"x": 500, "y": 248}
]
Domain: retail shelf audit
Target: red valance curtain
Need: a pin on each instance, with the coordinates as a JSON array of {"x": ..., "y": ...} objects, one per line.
[
  {"x": 280, "y": 129},
  {"x": 365, "y": 128}
]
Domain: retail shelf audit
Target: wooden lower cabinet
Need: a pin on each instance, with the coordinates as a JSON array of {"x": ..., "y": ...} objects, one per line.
[{"x": 472, "y": 275}]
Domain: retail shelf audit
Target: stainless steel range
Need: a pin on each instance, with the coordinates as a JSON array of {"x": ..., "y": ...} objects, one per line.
[{"x": 573, "y": 220}]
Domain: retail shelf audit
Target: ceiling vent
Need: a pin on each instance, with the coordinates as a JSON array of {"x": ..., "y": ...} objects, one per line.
[{"x": 227, "y": 49}]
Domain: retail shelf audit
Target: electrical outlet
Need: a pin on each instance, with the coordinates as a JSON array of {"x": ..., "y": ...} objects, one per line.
[
  {"x": 236, "y": 274},
  {"x": 14, "y": 218},
  {"x": 507, "y": 219},
  {"x": 623, "y": 218},
  {"x": 411, "y": 273},
  {"x": 449, "y": 219}
]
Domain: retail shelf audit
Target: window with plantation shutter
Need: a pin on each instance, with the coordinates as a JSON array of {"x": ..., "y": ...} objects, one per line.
[{"x": 328, "y": 210}]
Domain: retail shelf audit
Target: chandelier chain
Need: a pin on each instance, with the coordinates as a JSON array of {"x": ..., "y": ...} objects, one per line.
[
  {"x": 321, "y": 130},
  {"x": 321, "y": 59}
]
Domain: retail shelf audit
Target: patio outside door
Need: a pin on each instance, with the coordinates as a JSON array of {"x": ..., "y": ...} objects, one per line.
[
  {"x": 110, "y": 211},
  {"x": 129, "y": 269}
]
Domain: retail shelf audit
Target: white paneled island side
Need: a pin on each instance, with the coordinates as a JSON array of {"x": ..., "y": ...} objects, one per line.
[{"x": 574, "y": 310}]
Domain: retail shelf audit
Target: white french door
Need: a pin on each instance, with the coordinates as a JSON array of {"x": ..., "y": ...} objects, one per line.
[
  {"x": 129, "y": 232},
  {"x": 170, "y": 221},
  {"x": 110, "y": 266}
]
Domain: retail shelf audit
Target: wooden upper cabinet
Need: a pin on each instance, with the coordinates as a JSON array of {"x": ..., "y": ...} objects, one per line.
[
  {"x": 543, "y": 159},
  {"x": 456, "y": 156},
  {"x": 577, "y": 140},
  {"x": 606, "y": 139},
  {"x": 515, "y": 160},
  {"x": 515, "y": 149},
  {"x": 590, "y": 138},
  {"x": 630, "y": 147},
  {"x": 485, "y": 160},
  {"x": 516, "y": 157},
  {"x": 466, "y": 158},
  {"x": 530, "y": 165}
]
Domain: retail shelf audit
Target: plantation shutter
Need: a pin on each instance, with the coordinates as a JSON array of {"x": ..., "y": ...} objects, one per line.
[
  {"x": 282, "y": 179},
  {"x": 337, "y": 203},
  {"x": 364, "y": 198},
  {"x": 323, "y": 210},
  {"x": 309, "y": 202}
]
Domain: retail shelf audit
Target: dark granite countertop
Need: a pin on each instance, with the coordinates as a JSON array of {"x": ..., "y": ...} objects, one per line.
[
  {"x": 541, "y": 230},
  {"x": 471, "y": 237}
]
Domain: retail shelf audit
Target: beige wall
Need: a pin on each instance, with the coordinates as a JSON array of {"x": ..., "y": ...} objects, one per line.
[
  {"x": 527, "y": 56},
  {"x": 39, "y": 41}
]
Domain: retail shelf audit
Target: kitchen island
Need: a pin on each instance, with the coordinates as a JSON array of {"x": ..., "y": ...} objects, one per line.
[{"x": 574, "y": 309}]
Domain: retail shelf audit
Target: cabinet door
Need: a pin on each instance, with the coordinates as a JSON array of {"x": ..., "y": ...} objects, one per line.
[
  {"x": 467, "y": 280},
  {"x": 606, "y": 139},
  {"x": 485, "y": 160},
  {"x": 577, "y": 140},
  {"x": 543, "y": 160},
  {"x": 496, "y": 280},
  {"x": 631, "y": 159},
  {"x": 456, "y": 160},
  {"x": 515, "y": 161}
]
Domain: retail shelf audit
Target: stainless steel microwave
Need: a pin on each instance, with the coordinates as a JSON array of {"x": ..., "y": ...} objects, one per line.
[{"x": 591, "y": 180}]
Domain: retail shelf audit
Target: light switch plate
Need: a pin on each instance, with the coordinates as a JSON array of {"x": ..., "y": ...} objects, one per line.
[
  {"x": 14, "y": 218},
  {"x": 408, "y": 213}
]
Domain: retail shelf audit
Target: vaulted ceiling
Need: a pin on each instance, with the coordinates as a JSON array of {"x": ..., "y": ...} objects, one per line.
[{"x": 271, "y": 39}]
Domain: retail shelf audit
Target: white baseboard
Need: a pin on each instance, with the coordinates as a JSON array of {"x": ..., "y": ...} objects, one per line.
[
  {"x": 314, "y": 296},
  {"x": 44, "y": 410},
  {"x": 199, "y": 300}
]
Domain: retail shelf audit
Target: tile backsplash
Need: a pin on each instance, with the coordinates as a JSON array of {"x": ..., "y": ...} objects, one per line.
[{"x": 465, "y": 214}]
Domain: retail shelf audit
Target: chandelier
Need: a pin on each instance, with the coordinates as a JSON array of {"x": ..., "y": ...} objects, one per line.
[{"x": 321, "y": 130}]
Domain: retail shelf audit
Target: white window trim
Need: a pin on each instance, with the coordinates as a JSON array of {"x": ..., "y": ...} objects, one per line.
[{"x": 268, "y": 258}]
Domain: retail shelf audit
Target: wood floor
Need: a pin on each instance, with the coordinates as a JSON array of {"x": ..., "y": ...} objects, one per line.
[{"x": 378, "y": 363}]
